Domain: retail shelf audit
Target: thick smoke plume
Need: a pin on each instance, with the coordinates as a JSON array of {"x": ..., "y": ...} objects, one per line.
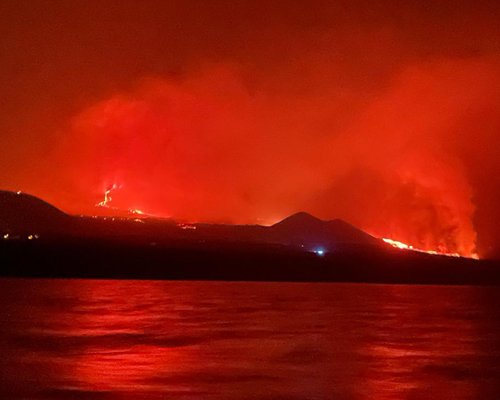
[
  {"x": 382, "y": 114},
  {"x": 209, "y": 148}
]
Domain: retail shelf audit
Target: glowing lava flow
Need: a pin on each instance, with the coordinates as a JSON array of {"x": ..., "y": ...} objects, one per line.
[
  {"x": 107, "y": 199},
  {"x": 105, "y": 203},
  {"x": 401, "y": 245}
]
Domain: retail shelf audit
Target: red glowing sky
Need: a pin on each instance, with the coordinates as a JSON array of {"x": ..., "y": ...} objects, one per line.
[{"x": 384, "y": 114}]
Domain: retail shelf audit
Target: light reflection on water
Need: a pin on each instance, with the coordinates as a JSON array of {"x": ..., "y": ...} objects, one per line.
[{"x": 84, "y": 339}]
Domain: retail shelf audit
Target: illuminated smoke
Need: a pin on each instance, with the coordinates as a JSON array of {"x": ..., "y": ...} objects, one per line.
[
  {"x": 383, "y": 114},
  {"x": 210, "y": 149}
]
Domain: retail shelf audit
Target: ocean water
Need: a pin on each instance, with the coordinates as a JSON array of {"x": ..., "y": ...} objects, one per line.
[{"x": 89, "y": 339}]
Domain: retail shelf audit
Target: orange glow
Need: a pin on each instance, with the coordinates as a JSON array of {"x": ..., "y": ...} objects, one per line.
[
  {"x": 385, "y": 116},
  {"x": 401, "y": 245},
  {"x": 186, "y": 226},
  {"x": 124, "y": 364},
  {"x": 393, "y": 356},
  {"x": 179, "y": 148},
  {"x": 107, "y": 197},
  {"x": 107, "y": 200},
  {"x": 441, "y": 248}
]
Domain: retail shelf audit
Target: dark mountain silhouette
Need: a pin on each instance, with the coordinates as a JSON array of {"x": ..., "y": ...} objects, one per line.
[
  {"x": 300, "y": 220},
  {"x": 23, "y": 214},
  {"x": 149, "y": 248},
  {"x": 307, "y": 230}
]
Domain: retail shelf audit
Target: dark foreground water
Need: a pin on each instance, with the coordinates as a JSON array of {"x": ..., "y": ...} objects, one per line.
[{"x": 77, "y": 339}]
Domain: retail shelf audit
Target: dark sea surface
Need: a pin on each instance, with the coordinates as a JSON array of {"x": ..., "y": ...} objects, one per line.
[{"x": 89, "y": 339}]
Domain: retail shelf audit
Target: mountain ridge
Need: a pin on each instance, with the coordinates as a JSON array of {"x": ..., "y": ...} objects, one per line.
[{"x": 22, "y": 214}]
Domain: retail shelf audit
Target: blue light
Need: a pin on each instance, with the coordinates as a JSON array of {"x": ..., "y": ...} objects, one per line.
[{"x": 320, "y": 252}]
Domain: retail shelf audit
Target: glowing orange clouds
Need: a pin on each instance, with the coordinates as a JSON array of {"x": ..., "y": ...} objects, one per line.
[{"x": 208, "y": 149}]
